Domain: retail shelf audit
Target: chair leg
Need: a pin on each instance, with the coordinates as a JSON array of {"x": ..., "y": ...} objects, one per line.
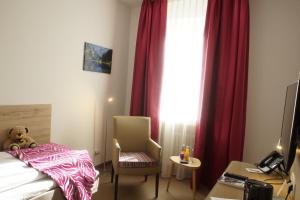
[
  {"x": 112, "y": 174},
  {"x": 146, "y": 178},
  {"x": 116, "y": 186},
  {"x": 156, "y": 185}
]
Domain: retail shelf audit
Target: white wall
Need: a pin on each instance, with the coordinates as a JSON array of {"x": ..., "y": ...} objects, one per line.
[
  {"x": 41, "y": 56},
  {"x": 274, "y": 63},
  {"x": 134, "y": 20}
]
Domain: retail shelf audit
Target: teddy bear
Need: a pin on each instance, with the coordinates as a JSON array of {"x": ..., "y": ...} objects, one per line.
[{"x": 18, "y": 138}]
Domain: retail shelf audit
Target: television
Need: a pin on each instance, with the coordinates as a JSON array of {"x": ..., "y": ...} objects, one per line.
[{"x": 290, "y": 125}]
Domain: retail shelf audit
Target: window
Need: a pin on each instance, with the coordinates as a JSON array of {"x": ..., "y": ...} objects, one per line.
[{"x": 183, "y": 61}]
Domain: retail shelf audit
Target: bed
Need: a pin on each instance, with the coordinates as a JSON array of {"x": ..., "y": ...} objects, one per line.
[{"x": 17, "y": 180}]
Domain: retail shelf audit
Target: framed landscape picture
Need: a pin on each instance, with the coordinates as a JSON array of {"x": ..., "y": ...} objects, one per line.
[{"x": 97, "y": 58}]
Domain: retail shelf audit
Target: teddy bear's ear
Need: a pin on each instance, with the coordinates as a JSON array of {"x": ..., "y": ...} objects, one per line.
[
  {"x": 10, "y": 131},
  {"x": 26, "y": 130}
]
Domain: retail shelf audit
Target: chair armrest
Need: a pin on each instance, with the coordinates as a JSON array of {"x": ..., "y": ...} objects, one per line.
[
  {"x": 115, "y": 152},
  {"x": 154, "y": 149}
]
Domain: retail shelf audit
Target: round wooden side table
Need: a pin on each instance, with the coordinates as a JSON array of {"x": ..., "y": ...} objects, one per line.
[{"x": 193, "y": 164}]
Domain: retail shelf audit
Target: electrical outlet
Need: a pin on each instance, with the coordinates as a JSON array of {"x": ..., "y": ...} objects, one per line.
[
  {"x": 293, "y": 181},
  {"x": 97, "y": 152}
]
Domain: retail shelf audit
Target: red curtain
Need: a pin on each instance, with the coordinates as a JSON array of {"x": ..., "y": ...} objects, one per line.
[
  {"x": 148, "y": 66},
  {"x": 221, "y": 124}
]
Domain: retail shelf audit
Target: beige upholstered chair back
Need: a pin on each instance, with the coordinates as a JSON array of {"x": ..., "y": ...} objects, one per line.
[{"x": 132, "y": 132}]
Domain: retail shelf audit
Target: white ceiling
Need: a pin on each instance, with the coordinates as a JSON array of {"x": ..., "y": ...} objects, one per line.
[{"x": 132, "y": 2}]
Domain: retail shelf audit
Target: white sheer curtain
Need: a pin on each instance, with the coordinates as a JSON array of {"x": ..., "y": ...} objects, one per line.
[{"x": 181, "y": 77}]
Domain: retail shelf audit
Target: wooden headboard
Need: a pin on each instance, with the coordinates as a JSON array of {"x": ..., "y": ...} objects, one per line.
[{"x": 37, "y": 118}]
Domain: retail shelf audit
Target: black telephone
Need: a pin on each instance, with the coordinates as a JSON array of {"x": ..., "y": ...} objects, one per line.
[{"x": 271, "y": 162}]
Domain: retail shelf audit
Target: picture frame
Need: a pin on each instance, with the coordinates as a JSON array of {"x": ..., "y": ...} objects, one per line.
[{"x": 97, "y": 58}]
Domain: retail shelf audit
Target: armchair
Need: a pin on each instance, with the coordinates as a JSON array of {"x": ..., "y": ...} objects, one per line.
[{"x": 133, "y": 151}]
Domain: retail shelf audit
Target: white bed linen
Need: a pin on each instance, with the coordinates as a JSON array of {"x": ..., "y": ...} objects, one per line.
[
  {"x": 14, "y": 172},
  {"x": 35, "y": 188},
  {"x": 29, "y": 190},
  {"x": 19, "y": 182}
]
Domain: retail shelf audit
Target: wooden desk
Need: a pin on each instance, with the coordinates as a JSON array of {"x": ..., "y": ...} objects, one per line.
[{"x": 236, "y": 167}]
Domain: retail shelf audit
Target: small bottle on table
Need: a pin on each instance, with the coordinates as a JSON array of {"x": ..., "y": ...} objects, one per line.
[
  {"x": 187, "y": 154},
  {"x": 182, "y": 152}
]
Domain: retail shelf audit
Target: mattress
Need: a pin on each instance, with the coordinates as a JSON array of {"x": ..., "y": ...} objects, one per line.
[
  {"x": 18, "y": 181},
  {"x": 29, "y": 190}
]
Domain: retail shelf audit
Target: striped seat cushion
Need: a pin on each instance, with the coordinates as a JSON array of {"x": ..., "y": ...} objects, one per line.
[{"x": 136, "y": 160}]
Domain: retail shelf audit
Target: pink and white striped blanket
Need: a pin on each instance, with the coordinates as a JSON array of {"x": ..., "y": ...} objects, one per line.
[{"x": 72, "y": 170}]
